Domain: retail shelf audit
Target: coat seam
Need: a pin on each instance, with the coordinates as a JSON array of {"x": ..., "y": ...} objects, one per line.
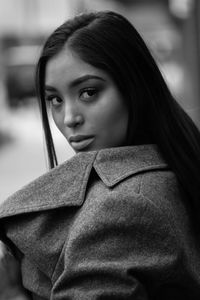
[{"x": 159, "y": 207}]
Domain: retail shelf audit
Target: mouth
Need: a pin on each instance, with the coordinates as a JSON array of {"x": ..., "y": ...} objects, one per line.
[{"x": 79, "y": 142}]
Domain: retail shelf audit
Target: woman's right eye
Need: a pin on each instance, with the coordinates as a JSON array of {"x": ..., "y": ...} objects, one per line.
[{"x": 54, "y": 100}]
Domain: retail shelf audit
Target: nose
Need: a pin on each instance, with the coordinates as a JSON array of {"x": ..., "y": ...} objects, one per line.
[{"x": 72, "y": 117}]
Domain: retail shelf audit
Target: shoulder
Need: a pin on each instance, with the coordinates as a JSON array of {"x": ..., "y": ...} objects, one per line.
[
  {"x": 142, "y": 185},
  {"x": 132, "y": 184},
  {"x": 66, "y": 185}
]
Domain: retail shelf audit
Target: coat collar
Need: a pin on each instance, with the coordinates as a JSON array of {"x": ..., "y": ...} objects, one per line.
[
  {"x": 62, "y": 186},
  {"x": 66, "y": 184},
  {"x": 115, "y": 164}
]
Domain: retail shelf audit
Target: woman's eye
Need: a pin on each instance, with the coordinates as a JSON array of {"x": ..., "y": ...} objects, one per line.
[
  {"x": 54, "y": 100},
  {"x": 88, "y": 94}
]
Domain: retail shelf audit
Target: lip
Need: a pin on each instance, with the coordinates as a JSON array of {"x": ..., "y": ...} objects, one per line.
[{"x": 79, "y": 142}]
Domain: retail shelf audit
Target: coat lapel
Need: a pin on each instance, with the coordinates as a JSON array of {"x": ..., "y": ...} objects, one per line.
[
  {"x": 115, "y": 164},
  {"x": 62, "y": 186}
]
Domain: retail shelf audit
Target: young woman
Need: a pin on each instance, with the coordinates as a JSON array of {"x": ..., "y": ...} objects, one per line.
[{"x": 119, "y": 220}]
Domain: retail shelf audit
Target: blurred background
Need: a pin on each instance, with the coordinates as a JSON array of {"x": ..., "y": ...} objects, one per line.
[{"x": 171, "y": 28}]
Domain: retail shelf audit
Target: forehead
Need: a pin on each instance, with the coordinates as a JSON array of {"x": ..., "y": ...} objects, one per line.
[{"x": 67, "y": 65}]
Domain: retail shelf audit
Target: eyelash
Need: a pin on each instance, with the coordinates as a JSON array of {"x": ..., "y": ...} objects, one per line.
[
  {"x": 51, "y": 98},
  {"x": 88, "y": 90},
  {"x": 94, "y": 91}
]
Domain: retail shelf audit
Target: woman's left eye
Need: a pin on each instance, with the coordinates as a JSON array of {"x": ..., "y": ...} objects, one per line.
[{"x": 88, "y": 94}]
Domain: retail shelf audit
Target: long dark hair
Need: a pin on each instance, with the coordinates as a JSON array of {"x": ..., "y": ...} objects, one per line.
[{"x": 108, "y": 41}]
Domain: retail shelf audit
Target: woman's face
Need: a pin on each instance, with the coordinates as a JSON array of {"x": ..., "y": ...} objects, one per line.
[{"x": 86, "y": 104}]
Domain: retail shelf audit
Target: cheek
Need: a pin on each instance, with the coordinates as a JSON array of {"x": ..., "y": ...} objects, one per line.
[
  {"x": 110, "y": 122},
  {"x": 118, "y": 124},
  {"x": 112, "y": 115}
]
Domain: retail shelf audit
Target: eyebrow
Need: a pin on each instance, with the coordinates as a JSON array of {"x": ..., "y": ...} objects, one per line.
[{"x": 77, "y": 81}]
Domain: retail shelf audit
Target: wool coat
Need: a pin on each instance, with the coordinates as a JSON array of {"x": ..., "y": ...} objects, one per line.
[{"x": 107, "y": 224}]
